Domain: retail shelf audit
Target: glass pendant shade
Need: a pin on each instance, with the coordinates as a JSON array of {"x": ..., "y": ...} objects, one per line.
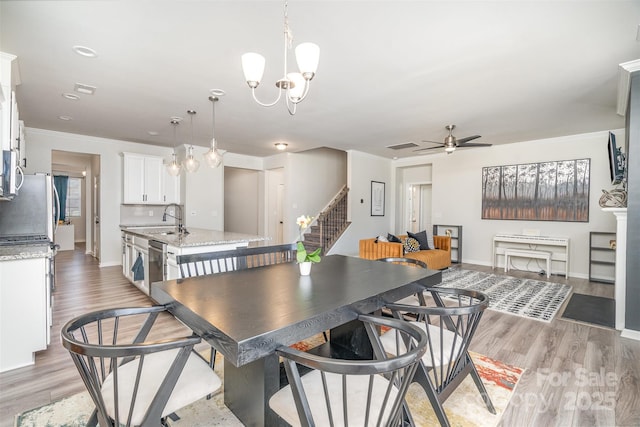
[
  {"x": 307, "y": 57},
  {"x": 253, "y": 68},
  {"x": 191, "y": 164},
  {"x": 213, "y": 157},
  {"x": 299, "y": 83},
  {"x": 173, "y": 167}
]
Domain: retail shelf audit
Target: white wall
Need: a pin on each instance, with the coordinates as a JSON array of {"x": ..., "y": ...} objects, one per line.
[
  {"x": 364, "y": 168},
  {"x": 457, "y": 192},
  {"x": 41, "y": 142},
  {"x": 241, "y": 200},
  {"x": 202, "y": 194}
]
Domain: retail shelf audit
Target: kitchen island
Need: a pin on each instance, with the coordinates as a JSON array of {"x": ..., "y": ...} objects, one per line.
[{"x": 155, "y": 248}]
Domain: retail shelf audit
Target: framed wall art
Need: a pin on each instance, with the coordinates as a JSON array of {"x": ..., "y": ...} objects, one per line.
[
  {"x": 377, "y": 198},
  {"x": 546, "y": 191}
]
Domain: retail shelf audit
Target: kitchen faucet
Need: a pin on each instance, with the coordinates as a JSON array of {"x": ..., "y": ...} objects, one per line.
[{"x": 181, "y": 228}]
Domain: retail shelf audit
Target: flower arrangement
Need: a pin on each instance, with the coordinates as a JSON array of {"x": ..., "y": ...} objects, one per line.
[{"x": 303, "y": 222}]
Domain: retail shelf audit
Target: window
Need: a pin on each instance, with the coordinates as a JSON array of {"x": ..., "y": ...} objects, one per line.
[{"x": 74, "y": 197}]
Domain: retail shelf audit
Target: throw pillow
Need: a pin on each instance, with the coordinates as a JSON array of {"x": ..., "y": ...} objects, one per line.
[
  {"x": 421, "y": 237},
  {"x": 411, "y": 245},
  {"x": 381, "y": 238},
  {"x": 392, "y": 238}
]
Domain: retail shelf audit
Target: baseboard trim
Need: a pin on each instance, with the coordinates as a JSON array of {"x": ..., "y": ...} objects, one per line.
[
  {"x": 500, "y": 269},
  {"x": 631, "y": 334},
  {"x": 109, "y": 264}
]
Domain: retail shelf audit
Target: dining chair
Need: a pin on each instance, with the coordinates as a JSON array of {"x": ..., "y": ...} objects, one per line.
[
  {"x": 360, "y": 392},
  {"x": 134, "y": 381},
  {"x": 449, "y": 325},
  {"x": 418, "y": 298},
  {"x": 235, "y": 259}
]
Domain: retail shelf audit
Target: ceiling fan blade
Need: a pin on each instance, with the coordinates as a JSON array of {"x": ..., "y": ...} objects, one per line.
[
  {"x": 467, "y": 139},
  {"x": 475, "y": 145},
  {"x": 429, "y": 148},
  {"x": 433, "y": 142}
]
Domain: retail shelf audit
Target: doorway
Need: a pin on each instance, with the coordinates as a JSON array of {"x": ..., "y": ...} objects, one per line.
[
  {"x": 419, "y": 208},
  {"x": 84, "y": 169}
]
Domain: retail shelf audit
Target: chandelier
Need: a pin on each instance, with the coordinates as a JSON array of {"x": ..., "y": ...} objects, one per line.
[
  {"x": 190, "y": 163},
  {"x": 296, "y": 85},
  {"x": 213, "y": 157},
  {"x": 174, "y": 167}
]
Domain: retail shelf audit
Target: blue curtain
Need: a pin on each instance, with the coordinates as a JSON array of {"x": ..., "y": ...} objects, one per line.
[{"x": 61, "y": 183}]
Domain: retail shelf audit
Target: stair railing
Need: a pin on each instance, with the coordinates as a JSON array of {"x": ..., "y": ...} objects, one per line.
[{"x": 332, "y": 221}]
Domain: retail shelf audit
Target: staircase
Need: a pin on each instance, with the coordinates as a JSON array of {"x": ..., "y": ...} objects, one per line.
[{"x": 332, "y": 222}]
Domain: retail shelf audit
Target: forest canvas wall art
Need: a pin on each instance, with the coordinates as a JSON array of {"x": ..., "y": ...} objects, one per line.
[{"x": 546, "y": 191}]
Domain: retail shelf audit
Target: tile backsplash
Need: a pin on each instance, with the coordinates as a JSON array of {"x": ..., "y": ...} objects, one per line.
[{"x": 145, "y": 215}]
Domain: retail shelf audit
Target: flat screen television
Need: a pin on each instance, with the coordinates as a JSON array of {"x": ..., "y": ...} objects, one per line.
[{"x": 616, "y": 161}]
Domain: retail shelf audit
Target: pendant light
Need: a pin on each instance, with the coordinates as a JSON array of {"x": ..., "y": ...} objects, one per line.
[
  {"x": 174, "y": 167},
  {"x": 213, "y": 156},
  {"x": 190, "y": 163}
]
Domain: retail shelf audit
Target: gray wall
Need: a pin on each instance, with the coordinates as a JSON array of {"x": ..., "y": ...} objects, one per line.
[{"x": 632, "y": 317}]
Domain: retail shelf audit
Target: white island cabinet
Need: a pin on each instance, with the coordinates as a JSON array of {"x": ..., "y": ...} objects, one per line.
[{"x": 25, "y": 308}]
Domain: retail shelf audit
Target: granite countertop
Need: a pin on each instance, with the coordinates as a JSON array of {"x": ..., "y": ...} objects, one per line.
[
  {"x": 196, "y": 236},
  {"x": 16, "y": 252}
]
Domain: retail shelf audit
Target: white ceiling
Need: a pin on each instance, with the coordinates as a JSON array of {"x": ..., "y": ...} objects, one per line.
[{"x": 390, "y": 71}]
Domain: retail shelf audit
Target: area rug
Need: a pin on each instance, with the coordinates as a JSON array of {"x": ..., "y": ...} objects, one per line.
[
  {"x": 529, "y": 298},
  {"x": 590, "y": 309},
  {"x": 464, "y": 407}
]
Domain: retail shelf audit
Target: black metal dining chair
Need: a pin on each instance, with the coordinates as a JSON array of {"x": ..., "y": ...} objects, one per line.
[
  {"x": 131, "y": 380},
  {"x": 236, "y": 259},
  {"x": 351, "y": 392},
  {"x": 418, "y": 298},
  {"x": 450, "y": 324}
]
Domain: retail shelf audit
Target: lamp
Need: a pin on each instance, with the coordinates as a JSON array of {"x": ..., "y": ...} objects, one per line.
[
  {"x": 296, "y": 85},
  {"x": 213, "y": 156},
  {"x": 174, "y": 167},
  {"x": 190, "y": 163}
]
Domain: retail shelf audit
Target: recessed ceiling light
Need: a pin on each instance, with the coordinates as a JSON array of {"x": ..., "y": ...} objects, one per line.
[
  {"x": 153, "y": 133},
  {"x": 65, "y": 118},
  {"x": 217, "y": 92},
  {"x": 281, "y": 146},
  {"x": 71, "y": 96},
  {"x": 176, "y": 119},
  {"x": 85, "y": 51},
  {"x": 84, "y": 88}
]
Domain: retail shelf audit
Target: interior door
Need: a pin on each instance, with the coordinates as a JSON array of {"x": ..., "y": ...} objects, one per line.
[
  {"x": 280, "y": 213},
  {"x": 96, "y": 216}
]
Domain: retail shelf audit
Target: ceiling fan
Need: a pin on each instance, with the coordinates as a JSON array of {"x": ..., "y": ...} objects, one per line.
[{"x": 451, "y": 142}]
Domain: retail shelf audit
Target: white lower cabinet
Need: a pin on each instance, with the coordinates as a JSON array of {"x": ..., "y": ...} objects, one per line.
[{"x": 25, "y": 311}]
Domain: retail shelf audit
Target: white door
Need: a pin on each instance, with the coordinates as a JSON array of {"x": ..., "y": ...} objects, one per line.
[
  {"x": 96, "y": 216},
  {"x": 419, "y": 211},
  {"x": 280, "y": 214}
]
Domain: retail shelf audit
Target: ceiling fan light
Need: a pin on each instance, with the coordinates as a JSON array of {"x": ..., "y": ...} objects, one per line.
[
  {"x": 308, "y": 57},
  {"x": 253, "y": 68}
]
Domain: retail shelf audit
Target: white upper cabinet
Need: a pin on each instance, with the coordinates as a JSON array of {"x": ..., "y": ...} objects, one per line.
[
  {"x": 144, "y": 180},
  {"x": 9, "y": 78},
  {"x": 171, "y": 188}
]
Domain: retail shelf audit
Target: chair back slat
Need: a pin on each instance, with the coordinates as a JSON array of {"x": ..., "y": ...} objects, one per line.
[{"x": 236, "y": 259}]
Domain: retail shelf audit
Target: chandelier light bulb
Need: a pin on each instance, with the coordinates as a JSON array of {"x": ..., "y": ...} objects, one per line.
[
  {"x": 253, "y": 68},
  {"x": 213, "y": 157},
  {"x": 173, "y": 167},
  {"x": 191, "y": 164},
  {"x": 307, "y": 57}
]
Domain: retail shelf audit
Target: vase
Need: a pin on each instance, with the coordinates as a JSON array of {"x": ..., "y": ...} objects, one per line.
[{"x": 305, "y": 268}]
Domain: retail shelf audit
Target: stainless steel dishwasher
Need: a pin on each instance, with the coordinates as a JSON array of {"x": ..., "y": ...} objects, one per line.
[{"x": 157, "y": 261}]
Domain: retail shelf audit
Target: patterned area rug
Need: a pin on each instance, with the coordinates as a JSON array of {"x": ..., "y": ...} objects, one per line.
[
  {"x": 533, "y": 299},
  {"x": 464, "y": 407}
]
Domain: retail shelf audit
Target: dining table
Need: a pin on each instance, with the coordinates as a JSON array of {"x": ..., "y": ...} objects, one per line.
[{"x": 247, "y": 314}]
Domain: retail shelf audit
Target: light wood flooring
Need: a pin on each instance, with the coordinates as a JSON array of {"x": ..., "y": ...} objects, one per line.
[{"x": 576, "y": 375}]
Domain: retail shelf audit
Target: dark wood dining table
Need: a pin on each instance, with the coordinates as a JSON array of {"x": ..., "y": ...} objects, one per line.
[{"x": 246, "y": 315}]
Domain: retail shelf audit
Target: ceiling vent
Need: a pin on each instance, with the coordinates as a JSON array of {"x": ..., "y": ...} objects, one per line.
[
  {"x": 84, "y": 89},
  {"x": 402, "y": 146}
]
